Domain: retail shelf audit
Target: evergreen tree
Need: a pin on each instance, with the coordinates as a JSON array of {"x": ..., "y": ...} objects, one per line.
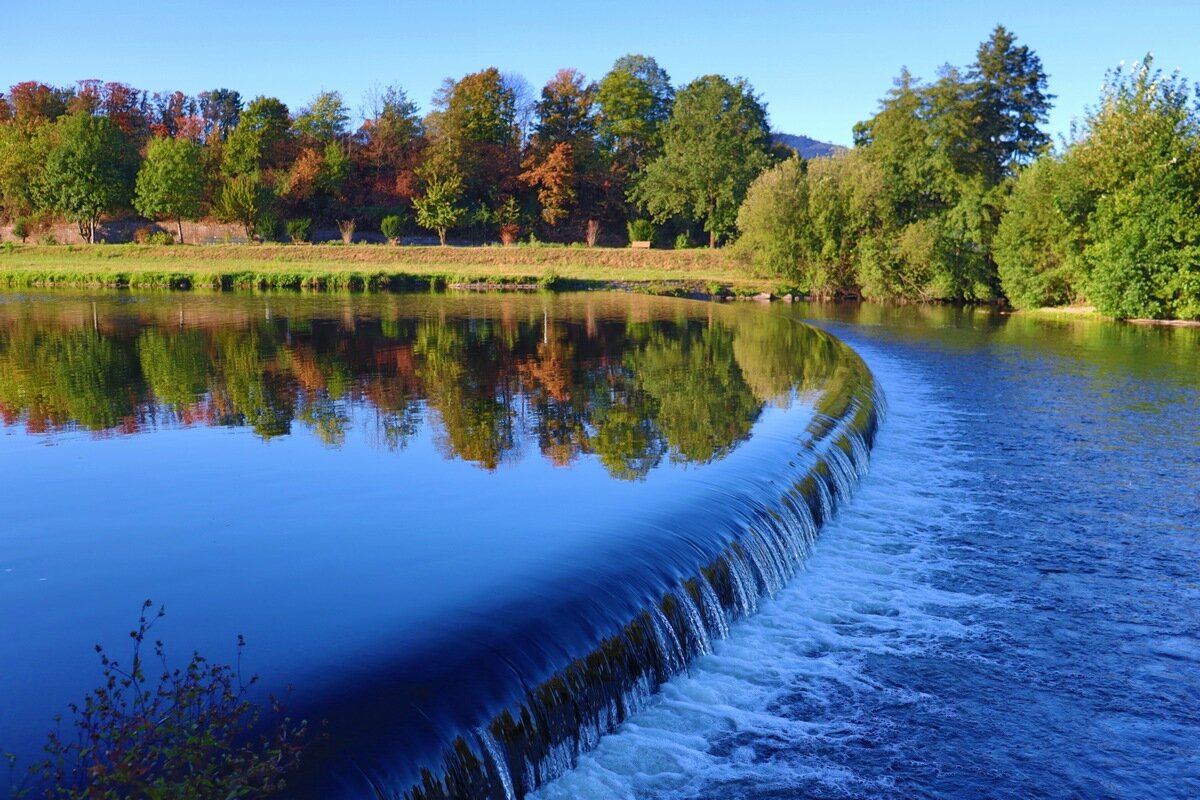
[{"x": 1012, "y": 103}]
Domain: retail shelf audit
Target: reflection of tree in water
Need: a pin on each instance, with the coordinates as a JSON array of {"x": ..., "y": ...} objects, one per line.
[
  {"x": 54, "y": 378},
  {"x": 629, "y": 393},
  {"x": 704, "y": 407},
  {"x": 462, "y": 368}
]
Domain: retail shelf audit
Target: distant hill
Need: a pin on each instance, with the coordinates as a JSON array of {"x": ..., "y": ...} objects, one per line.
[{"x": 805, "y": 146}]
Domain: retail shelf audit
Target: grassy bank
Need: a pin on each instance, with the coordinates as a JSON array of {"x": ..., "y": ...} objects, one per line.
[{"x": 372, "y": 267}]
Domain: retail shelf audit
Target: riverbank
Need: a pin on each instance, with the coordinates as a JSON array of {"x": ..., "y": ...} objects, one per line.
[{"x": 375, "y": 267}]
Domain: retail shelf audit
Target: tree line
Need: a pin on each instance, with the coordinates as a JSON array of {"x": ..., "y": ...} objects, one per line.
[
  {"x": 953, "y": 191},
  {"x": 491, "y": 159}
]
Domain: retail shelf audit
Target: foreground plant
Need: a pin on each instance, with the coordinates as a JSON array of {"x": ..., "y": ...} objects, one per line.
[{"x": 192, "y": 732}]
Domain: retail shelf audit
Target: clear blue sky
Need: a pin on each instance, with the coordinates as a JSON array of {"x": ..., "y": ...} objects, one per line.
[{"x": 820, "y": 66}]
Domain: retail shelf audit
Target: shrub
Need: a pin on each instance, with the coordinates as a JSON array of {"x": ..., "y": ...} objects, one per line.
[
  {"x": 159, "y": 237},
  {"x": 640, "y": 230},
  {"x": 47, "y": 238},
  {"x": 299, "y": 230},
  {"x": 391, "y": 226},
  {"x": 682, "y": 241},
  {"x": 346, "y": 229},
  {"x": 20, "y": 228},
  {"x": 184, "y": 734},
  {"x": 266, "y": 227}
]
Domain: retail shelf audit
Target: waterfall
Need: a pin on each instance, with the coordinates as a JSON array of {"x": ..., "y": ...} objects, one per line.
[{"x": 541, "y": 736}]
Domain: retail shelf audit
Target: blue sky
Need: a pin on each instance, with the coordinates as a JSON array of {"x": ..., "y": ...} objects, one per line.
[{"x": 820, "y": 66}]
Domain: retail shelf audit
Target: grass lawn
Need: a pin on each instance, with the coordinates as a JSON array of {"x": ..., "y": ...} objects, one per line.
[{"x": 363, "y": 266}]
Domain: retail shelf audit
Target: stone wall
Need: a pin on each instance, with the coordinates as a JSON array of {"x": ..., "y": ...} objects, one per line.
[{"x": 202, "y": 232}]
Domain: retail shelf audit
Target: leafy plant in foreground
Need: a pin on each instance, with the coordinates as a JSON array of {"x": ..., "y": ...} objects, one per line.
[{"x": 187, "y": 733}]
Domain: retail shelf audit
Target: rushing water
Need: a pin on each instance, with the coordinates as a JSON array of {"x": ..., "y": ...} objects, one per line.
[
  {"x": 474, "y": 533},
  {"x": 1009, "y": 607}
]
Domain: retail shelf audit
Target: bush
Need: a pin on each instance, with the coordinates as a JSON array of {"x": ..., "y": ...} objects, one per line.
[
  {"x": 266, "y": 227},
  {"x": 391, "y": 227},
  {"x": 47, "y": 238},
  {"x": 640, "y": 230},
  {"x": 346, "y": 229},
  {"x": 159, "y": 237},
  {"x": 20, "y": 228},
  {"x": 682, "y": 241},
  {"x": 299, "y": 230},
  {"x": 184, "y": 734}
]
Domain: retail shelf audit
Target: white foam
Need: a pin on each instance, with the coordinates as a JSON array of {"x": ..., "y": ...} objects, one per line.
[{"x": 864, "y": 591}]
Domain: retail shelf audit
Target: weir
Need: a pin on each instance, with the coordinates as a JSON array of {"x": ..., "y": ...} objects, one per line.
[
  {"x": 474, "y": 533},
  {"x": 539, "y": 733}
]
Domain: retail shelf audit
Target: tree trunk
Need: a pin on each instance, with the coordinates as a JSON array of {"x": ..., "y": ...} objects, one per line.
[
  {"x": 179, "y": 224},
  {"x": 712, "y": 223},
  {"x": 442, "y": 236}
]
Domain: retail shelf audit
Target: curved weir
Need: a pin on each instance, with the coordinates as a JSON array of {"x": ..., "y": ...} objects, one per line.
[
  {"x": 474, "y": 533},
  {"x": 536, "y": 720}
]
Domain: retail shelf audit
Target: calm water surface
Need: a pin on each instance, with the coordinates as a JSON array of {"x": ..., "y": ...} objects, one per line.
[
  {"x": 418, "y": 510},
  {"x": 1009, "y": 607}
]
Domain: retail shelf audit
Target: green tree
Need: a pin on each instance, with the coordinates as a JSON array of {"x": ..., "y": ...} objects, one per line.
[
  {"x": 635, "y": 100},
  {"x": 772, "y": 219},
  {"x": 23, "y": 156},
  {"x": 715, "y": 143},
  {"x": 1140, "y": 150},
  {"x": 170, "y": 182},
  {"x": 1039, "y": 245},
  {"x": 90, "y": 171},
  {"x": 260, "y": 140},
  {"x": 439, "y": 208},
  {"x": 243, "y": 199},
  {"x": 324, "y": 119}
]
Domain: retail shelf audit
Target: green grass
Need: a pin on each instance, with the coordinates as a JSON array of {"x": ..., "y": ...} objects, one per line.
[{"x": 373, "y": 267}]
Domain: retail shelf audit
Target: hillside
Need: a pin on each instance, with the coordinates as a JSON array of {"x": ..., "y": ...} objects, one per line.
[{"x": 807, "y": 147}]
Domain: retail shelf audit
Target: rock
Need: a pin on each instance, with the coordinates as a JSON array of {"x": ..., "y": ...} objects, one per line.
[{"x": 764, "y": 297}]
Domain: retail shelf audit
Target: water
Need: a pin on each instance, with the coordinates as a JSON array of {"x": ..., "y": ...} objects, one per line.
[
  {"x": 473, "y": 533},
  {"x": 1009, "y": 607}
]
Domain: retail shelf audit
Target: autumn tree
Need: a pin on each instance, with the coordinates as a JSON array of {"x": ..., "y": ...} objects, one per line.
[
  {"x": 554, "y": 177},
  {"x": 170, "y": 182},
  {"x": 175, "y": 114},
  {"x": 714, "y": 144},
  {"x": 474, "y": 136},
  {"x": 388, "y": 149},
  {"x": 90, "y": 171},
  {"x": 35, "y": 104},
  {"x": 562, "y": 162}
]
